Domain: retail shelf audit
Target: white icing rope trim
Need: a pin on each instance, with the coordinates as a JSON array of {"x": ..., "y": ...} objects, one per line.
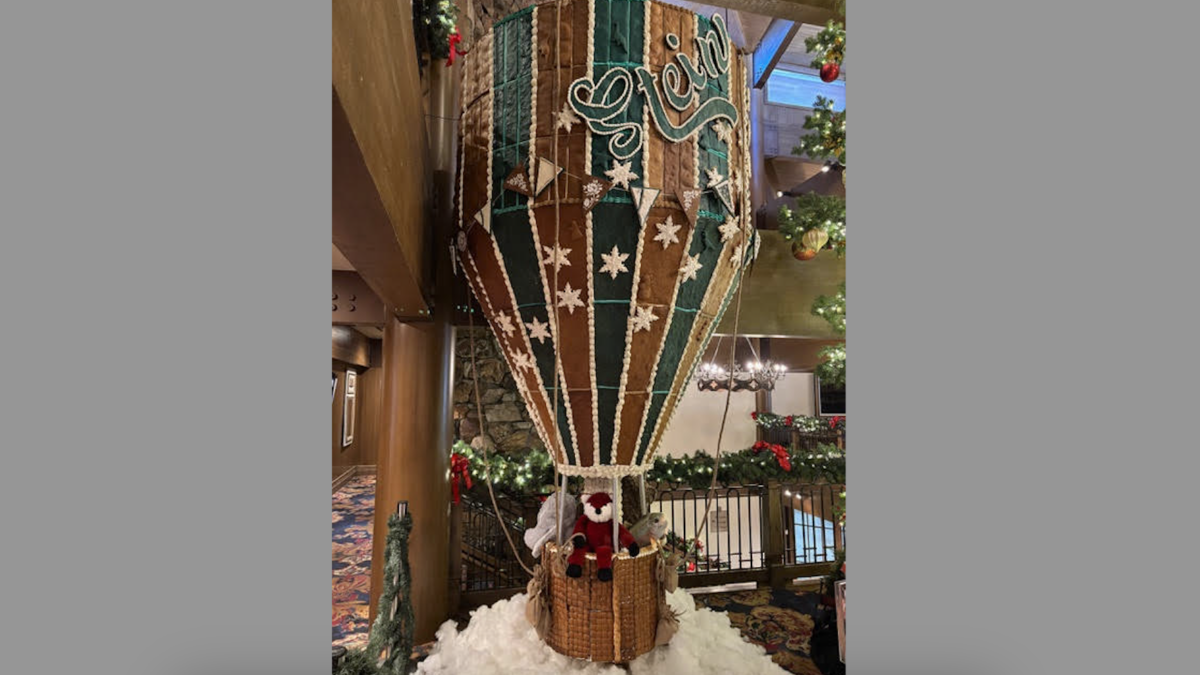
[
  {"x": 557, "y": 242},
  {"x": 614, "y": 188},
  {"x": 602, "y": 470}
]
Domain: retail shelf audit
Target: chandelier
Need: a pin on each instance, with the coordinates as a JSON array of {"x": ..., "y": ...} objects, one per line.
[{"x": 757, "y": 375}]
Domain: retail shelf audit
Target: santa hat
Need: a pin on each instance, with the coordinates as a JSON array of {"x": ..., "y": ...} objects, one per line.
[{"x": 599, "y": 500}]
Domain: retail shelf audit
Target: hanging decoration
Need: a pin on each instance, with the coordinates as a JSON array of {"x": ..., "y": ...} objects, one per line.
[
  {"x": 518, "y": 181},
  {"x": 594, "y": 190},
  {"x": 689, "y": 199},
  {"x": 460, "y": 471},
  {"x": 801, "y": 252},
  {"x": 758, "y": 375},
  {"x": 725, "y": 194},
  {"x": 484, "y": 218},
  {"x": 816, "y": 212},
  {"x": 815, "y": 239},
  {"x": 643, "y": 199},
  {"x": 547, "y": 171},
  {"x": 829, "y": 45},
  {"x": 455, "y": 38}
]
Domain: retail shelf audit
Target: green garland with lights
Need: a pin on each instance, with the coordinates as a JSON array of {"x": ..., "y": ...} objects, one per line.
[
  {"x": 434, "y": 21},
  {"x": 832, "y": 308},
  {"x": 832, "y": 368},
  {"x": 825, "y": 212},
  {"x": 829, "y": 45},
  {"x": 803, "y": 423},
  {"x": 829, "y": 141},
  {"x": 530, "y": 472}
]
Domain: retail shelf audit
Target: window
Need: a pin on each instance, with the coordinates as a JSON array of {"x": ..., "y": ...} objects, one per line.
[
  {"x": 795, "y": 88},
  {"x": 829, "y": 401}
]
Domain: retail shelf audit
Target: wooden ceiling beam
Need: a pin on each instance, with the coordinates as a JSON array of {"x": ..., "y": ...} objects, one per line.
[
  {"x": 771, "y": 48},
  {"x": 382, "y": 169},
  {"x": 816, "y": 12}
]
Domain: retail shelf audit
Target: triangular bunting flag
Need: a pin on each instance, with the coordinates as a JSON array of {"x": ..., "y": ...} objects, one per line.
[
  {"x": 725, "y": 195},
  {"x": 643, "y": 199},
  {"x": 518, "y": 181},
  {"x": 689, "y": 199},
  {"x": 547, "y": 171},
  {"x": 484, "y": 217},
  {"x": 594, "y": 190}
]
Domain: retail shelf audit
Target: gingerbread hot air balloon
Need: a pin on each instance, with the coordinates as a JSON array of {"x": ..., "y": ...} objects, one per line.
[{"x": 604, "y": 221}]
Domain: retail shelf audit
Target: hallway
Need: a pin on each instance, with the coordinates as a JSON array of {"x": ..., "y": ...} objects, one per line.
[{"x": 353, "y": 511}]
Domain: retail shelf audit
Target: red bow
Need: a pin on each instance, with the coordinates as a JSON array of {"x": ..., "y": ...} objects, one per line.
[
  {"x": 781, "y": 453},
  {"x": 835, "y": 420},
  {"x": 754, "y": 416},
  {"x": 459, "y": 470},
  {"x": 788, "y": 420},
  {"x": 455, "y": 38}
]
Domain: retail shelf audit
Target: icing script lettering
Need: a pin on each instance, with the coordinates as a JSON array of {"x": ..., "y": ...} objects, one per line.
[{"x": 600, "y": 102}]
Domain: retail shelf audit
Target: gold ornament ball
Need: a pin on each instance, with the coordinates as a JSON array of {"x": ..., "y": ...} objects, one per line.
[{"x": 799, "y": 252}]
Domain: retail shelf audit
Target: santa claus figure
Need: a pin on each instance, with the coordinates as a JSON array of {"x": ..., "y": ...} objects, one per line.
[{"x": 593, "y": 534}]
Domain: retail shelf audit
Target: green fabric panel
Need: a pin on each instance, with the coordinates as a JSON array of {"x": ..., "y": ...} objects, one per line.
[
  {"x": 512, "y": 88},
  {"x": 619, "y": 37},
  {"x": 612, "y": 225},
  {"x": 607, "y": 400}
]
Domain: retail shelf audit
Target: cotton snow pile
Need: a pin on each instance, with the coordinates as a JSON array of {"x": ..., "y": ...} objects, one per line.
[{"x": 499, "y": 640}]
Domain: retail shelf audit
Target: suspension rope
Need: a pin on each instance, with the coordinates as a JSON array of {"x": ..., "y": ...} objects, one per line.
[{"x": 486, "y": 442}]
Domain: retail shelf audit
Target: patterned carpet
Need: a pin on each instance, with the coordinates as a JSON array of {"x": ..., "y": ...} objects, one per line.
[
  {"x": 353, "y": 511},
  {"x": 781, "y": 620}
]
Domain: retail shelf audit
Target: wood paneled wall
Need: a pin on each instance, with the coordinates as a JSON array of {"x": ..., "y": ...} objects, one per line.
[{"x": 413, "y": 463}]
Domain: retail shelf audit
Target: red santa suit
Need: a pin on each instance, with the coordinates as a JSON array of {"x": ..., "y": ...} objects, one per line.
[{"x": 593, "y": 533}]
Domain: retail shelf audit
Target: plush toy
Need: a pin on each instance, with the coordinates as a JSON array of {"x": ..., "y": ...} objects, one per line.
[
  {"x": 593, "y": 533},
  {"x": 652, "y": 526},
  {"x": 543, "y": 532}
]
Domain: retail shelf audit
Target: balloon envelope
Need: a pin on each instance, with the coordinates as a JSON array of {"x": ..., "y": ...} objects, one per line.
[{"x": 604, "y": 213}]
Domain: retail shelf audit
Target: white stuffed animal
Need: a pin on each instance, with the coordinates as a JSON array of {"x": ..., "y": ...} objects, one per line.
[{"x": 543, "y": 532}]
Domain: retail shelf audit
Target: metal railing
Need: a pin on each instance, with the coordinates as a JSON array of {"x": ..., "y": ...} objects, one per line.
[
  {"x": 487, "y": 561},
  {"x": 814, "y": 535},
  {"x": 733, "y": 539},
  {"x": 762, "y": 533}
]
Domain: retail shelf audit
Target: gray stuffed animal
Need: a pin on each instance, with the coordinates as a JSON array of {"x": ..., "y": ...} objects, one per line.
[
  {"x": 652, "y": 525},
  {"x": 543, "y": 531}
]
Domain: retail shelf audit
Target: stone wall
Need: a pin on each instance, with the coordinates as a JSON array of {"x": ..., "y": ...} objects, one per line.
[{"x": 508, "y": 422}]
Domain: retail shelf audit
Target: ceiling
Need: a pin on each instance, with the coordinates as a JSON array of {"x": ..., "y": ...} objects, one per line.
[{"x": 340, "y": 264}]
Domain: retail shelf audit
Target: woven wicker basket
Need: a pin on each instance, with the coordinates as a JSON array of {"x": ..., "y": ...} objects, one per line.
[{"x": 607, "y": 621}]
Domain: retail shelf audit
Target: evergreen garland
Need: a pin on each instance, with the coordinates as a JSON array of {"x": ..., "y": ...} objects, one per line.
[
  {"x": 826, "y": 212},
  {"x": 434, "y": 21},
  {"x": 357, "y": 662},
  {"x": 395, "y": 634},
  {"x": 830, "y": 137},
  {"x": 803, "y": 423},
  {"x": 832, "y": 368},
  {"x": 525, "y": 473},
  {"x": 832, "y": 308},
  {"x": 829, "y": 45}
]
